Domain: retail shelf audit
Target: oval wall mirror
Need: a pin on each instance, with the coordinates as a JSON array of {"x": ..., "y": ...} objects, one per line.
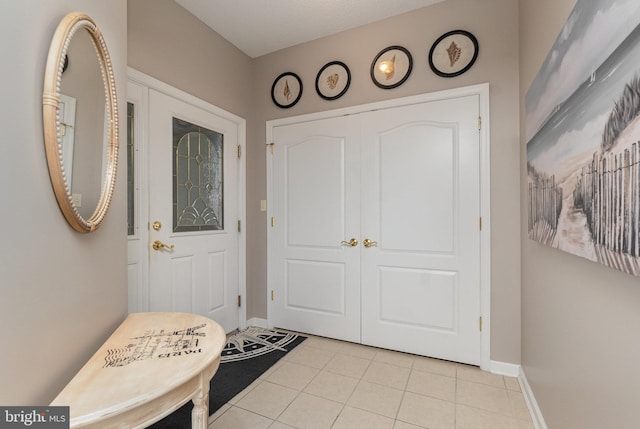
[{"x": 80, "y": 117}]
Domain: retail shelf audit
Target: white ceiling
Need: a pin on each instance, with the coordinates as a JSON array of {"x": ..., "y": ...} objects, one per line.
[{"x": 258, "y": 27}]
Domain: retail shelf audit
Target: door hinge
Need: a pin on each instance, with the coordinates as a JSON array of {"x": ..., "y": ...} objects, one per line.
[
  {"x": 480, "y": 223},
  {"x": 239, "y": 301},
  {"x": 239, "y": 226},
  {"x": 273, "y": 295},
  {"x": 272, "y": 145},
  {"x": 480, "y": 323},
  {"x": 273, "y": 221},
  {"x": 479, "y": 123},
  {"x": 239, "y": 151}
]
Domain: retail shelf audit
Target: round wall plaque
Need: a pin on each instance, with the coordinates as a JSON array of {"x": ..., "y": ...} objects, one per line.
[
  {"x": 333, "y": 80},
  {"x": 453, "y": 53},
  {"x": 286, "y": 90},
  {"x": 391, "y": 67}
]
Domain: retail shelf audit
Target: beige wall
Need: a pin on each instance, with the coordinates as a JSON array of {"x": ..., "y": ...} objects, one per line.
[
  {"x": 167, "y": 42},
  {"x": 163, "y": 37},
  {"x": 580, "y": 347},
  {"x": 61, "y": 292},
  {"x": 494, "y": 23}
]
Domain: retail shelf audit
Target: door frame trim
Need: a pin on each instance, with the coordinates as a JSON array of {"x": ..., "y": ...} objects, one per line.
[
  {"x": 149, "y": 82},
  {"x": 138, "y": 260},
  {"x": 482, "y": 90}
]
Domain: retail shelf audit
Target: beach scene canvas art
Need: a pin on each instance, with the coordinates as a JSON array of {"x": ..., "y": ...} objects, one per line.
[{"x": 583, "y": 137}]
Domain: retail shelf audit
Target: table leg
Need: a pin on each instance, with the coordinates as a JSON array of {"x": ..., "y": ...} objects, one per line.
[{"x": 200, "y": 412}]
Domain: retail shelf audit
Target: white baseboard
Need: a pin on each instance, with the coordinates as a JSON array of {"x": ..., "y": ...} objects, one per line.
[
  {"x": 504, "y": 368},
  {"x": 256, "y": 321},
  {"x": 532, "y": 404}
]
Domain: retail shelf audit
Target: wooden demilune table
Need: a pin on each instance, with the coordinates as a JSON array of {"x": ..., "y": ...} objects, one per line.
[{"x": 150, "y": 366}]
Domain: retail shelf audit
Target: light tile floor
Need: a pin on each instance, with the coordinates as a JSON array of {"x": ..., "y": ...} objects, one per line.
[{"x": 330, "y": 384}]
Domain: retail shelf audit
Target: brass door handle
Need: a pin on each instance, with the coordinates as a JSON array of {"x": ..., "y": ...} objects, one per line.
[
  {"x": 157, "y": 245},
  {"x": 353, "y": 242},
  {"x": 369, "y": 243}
]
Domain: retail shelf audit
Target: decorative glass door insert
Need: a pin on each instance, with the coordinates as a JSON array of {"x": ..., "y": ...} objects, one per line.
[{"x": 198, "y": 187}]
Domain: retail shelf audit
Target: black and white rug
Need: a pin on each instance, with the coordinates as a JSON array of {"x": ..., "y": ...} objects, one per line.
[
  {"x": 246, "y": 356},
  {"x": 254, "y": 342}
]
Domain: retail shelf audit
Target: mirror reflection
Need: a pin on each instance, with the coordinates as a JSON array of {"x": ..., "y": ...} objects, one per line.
[{"x": 82, "y": 123}]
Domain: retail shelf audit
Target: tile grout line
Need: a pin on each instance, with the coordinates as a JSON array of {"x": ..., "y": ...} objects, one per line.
[
  {"x": 310, "y": 394},
  {"x": 455, "y": 398},
  {"x": 335, "y": 351}
]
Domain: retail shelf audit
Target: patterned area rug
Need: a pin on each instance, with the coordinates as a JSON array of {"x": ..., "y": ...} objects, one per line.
[
  {"x": 245, "y": 357},
  {"x": 254, "y": 342}
]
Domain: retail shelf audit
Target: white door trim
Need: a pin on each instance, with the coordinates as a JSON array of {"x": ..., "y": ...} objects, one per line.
[
  {"x": 153, "y": 83},
  {"x": 482, "y": 90},
  {"x": 138, "y": 257}
]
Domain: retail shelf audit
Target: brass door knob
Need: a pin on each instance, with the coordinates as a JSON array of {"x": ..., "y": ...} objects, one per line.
[
  {"x": 369, "y": 243},
  {"x": 157, "y": 245},
  {"x": 353, "y": 242}
]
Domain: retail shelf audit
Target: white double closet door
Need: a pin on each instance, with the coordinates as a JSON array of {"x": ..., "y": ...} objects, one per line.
[{"x": 404, "y": 181}]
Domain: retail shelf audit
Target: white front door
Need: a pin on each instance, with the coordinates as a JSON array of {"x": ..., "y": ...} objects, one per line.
[
  {"x": 403, "y": 182},
  {"x": 193, "y": 211},
  {"x": 316, "y": 212},
  {"x": 421, "y": 207}
]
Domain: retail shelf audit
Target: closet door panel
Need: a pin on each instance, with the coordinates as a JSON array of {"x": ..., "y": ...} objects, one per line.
[
  {"x": 314, "y": 275},
  {"x": 404, "y": 183},
  {"x": 408, "y": 162},
  {"x": 420, "y": 205}
]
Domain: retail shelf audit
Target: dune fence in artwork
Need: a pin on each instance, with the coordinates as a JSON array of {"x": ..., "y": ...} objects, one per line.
[
  {"x": 583, "y": 138},
  {"x": 545, "y": 205},
  {"x": 607, "y": 192}
]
